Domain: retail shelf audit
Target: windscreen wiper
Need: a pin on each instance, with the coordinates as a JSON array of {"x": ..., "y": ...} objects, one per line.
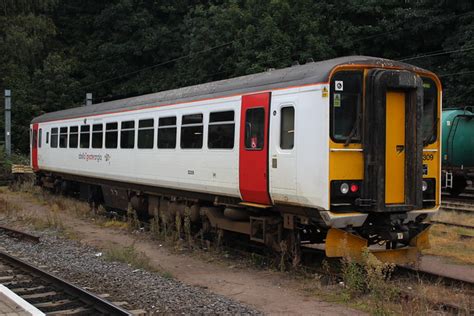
[{"x": 353, "y": 131}]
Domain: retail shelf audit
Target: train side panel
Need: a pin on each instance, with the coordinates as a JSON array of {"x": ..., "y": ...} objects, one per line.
[
  {"x": 200, "y": 170},
  {"x": 298, "y": 171}
]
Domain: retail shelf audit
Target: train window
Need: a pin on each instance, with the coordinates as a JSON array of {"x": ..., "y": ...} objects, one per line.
[
  {"x": 127, "y": 134},
  {"x": 221, "y": 130},
  {"x": 85, "y": 138},
  {"x": 47, "y": 137},
  {"x": 191, "y": 131},
  {"x": 287, "y": 127},
  {"x": 146, "y": 133},
  {"x": 97, "y": 135},
  {"x": 430, "y": 110},
  {"x": 255, "y": 128},
  {"x": 63, "y": 137},
  {"x": 54, "y": 137},
  {"x": 346, "y": 103},
  {"x": 34, "y": 139},
  {"x": 167, "y": 132},
  {"x": 73, "y": 136},
  {"x": 111, "y": 135},
  {"x": 40, "y": 134}
]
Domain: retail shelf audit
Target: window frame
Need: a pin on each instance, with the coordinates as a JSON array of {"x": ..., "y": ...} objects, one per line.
[
  {"x": 95, "y": 133},
  {"x": 357, "y": 138},
  {"x": 52, "y": 137},
  {"x": 128, "y": 130},
  {"x": 86, "y": 132},
  {"x": 245, "y": 128},
  {"x": 61, "y": 134},
  {"x": 282, "y": 107},
  {"x": 434, "y": 135},
  {"x": 40, "y": 135},
  {"x": 217, "y": 123},
  {"x": 73, "y": 133},
  {"x": 34, "y": 138},
  {"x": 143, "y": 129},
  {"x": 112, "y": 130},
  {"x": 191, "y": 125},
  {"x": 162, "y": 127}
]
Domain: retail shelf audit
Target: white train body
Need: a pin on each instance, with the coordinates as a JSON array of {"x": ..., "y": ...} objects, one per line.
[{"x": 300, "y": 178}]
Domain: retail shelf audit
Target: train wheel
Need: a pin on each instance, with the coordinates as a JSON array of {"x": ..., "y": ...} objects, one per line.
[{"x": 459, "y": 184}]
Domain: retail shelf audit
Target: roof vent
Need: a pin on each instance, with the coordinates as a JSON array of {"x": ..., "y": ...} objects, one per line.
[
  {"x": 310, "y": 60},
  {"x": 295, "y": 63}
]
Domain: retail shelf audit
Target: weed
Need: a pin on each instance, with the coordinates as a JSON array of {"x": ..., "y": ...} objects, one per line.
[
  {"x": 155, "y": 228},
  {"x": 167, "y": 275},
  {"x": 187, "y": 226},
  {"x": 353, "y": 275},
  {"x": 177, "y": 237},
  {"x": 369, "y": 277},
  {"x": 113, "y": 223},
  {"x": 283, "y": 255},
  {"x": 164, "y": 221},
  {"x": 220, "y": 237},
  {"x": 128, "y": 255},
  {"x": 132, "y": 219}
]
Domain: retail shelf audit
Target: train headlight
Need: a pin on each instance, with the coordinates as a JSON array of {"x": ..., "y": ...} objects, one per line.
[
  {"x": 424, "y": 186},
  {"x": 344, "y": 188}
]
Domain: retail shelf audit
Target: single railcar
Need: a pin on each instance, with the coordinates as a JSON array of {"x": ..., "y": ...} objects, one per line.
[{"x": 344, "y": 152}]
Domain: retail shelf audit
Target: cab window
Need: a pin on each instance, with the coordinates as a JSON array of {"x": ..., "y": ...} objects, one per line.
[
  {"x": 346, "y": 103},
  {"x": 430, "y": 109}
]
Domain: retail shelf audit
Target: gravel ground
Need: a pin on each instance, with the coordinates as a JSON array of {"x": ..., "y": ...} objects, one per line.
[{"x": 141, "y": 289}]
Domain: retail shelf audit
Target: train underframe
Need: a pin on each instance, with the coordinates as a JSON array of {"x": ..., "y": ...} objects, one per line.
[{"x": 394, "y": 237}]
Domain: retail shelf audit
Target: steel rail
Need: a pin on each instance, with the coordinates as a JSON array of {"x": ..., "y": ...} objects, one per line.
[
  {"x": 19, "y": 234},
  {"x": 452, "y": 224},
  {"x": 100, "y": 305}
]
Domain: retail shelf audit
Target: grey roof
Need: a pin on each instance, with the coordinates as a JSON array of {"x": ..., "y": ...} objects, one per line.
[{"x": 309, "y": 73}]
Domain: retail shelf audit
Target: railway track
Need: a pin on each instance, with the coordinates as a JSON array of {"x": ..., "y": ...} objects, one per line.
[
  {"x": 19, "y": 234},
  {"x": 48, "y": 293},
  {"x": 461, "y": 205},
  {"x": 452, "y": 224}
]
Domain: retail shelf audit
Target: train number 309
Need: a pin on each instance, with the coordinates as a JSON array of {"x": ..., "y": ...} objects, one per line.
[{"x": 428, "y": 157}]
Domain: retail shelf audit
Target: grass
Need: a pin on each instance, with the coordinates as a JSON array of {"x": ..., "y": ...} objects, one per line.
[
  {"x": 446, "y": 241},
  {"x": 454, "y": 217},
  {"x": 136, "y": 259},
  {"x": 113, "y": 223},
  {"x": 128, "y": 255}
]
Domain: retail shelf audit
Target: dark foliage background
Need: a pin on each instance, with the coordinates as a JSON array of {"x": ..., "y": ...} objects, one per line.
[{"x": 54, "y": 51}]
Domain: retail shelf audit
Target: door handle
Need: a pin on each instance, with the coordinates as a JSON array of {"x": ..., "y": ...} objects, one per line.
[{"x": 274, "y": 163}]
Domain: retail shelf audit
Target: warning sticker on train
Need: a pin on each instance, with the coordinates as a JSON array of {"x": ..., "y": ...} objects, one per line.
[
  {"x": 325, "y": 92},
  {"x": 339, "y": 85},
  {"x": 337, "y": 100}
]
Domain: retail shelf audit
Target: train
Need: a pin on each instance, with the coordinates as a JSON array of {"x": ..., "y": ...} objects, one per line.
[
  {"x": 342, "y": 153},
  {"x": 458, "y": 149}
]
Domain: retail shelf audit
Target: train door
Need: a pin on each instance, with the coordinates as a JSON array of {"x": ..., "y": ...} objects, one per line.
[
  {"x": 34, "y": 147},
  {"x": 395, "y": 147},
  {"x": 282, "y": 151},
  {"x": 253, "y": 154}
]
